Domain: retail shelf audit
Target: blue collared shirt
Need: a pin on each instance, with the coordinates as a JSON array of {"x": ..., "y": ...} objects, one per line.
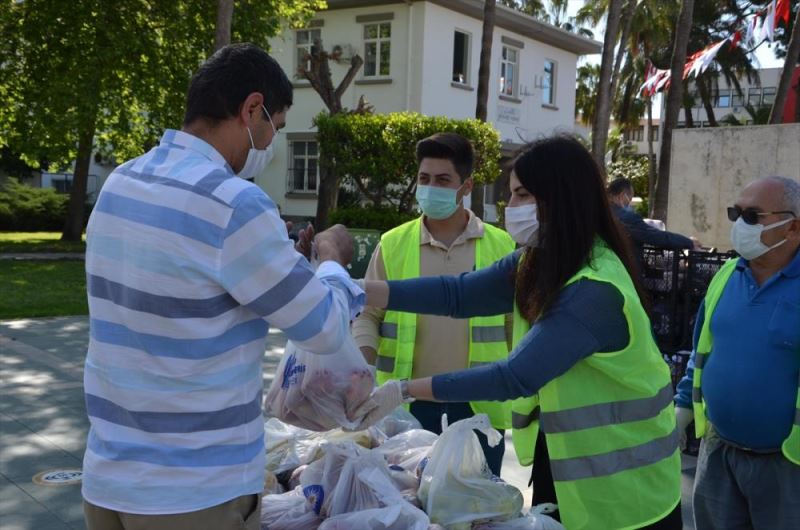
[{"x": 750, "y": 381}]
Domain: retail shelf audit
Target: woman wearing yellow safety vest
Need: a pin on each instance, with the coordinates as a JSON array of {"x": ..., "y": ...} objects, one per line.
[{"x": 592, "y": 406}]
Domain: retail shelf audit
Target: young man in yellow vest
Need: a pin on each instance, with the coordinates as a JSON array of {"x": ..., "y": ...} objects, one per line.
[
  {"x": 447, "y": 239},
  {"x": 743, "y": 384}
]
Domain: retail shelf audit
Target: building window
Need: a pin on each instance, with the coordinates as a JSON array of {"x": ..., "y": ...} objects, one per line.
[
  {"x": 377, "y": 49},
  {"x": 654, "y": 134},
  {"x": 461, "y": 53},
  {"x": 304, "y": 39},
  {"x": 549, "y": 83},
  {"x": 737, "y": 99},
  {"x": 754, "y": 97},
  {"x": 769, "y": 95},
  {"x": 722, "y": 98},
  {"x": 638, "y": 134},
  {"x": 509, "y": 71},
  {"x": 698, "y": 101},
  {"x": 303, "y": 166},
  {"x": 680, "y": 125}
]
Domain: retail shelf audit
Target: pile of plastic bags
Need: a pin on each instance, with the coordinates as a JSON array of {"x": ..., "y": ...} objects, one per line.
[{"x": 394, "y": 476}]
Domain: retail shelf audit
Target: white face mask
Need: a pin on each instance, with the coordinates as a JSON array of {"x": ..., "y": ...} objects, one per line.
[
  {"x": 746, "y": 239},
  {"x": 257, "y": 159},
  {"x": 522, "y": 224}
]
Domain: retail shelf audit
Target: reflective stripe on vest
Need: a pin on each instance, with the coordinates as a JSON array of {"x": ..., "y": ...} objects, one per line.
[
  {"x": 583, "y": 467},
  {"x": 608, "y": 422},
  {"x": 488, "y": 342},
  {"x": 607, "y": 413}
]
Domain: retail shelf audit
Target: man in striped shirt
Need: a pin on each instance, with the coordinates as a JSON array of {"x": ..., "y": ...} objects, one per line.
[{"x": 187, "y": 266}]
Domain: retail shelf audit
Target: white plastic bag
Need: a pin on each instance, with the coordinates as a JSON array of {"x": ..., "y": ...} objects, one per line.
[
  {"x": 398, "y": 421},
  {"x": 457, "y": 489},
  {"x": 289, "y": 447},
  {"x": 408, "y": 449},
  {"x": 318, "y": 392},
  {"x": 529, "y": 522},
  {"x": 320, "y": 478},
  {"x": 288, "y": 511},
  {"x": 400, "y": 516},
  {"x": 363, "y": 485}
]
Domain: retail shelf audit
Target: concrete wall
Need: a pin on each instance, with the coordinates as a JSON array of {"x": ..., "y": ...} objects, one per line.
[{"x": 710, "y": 166}]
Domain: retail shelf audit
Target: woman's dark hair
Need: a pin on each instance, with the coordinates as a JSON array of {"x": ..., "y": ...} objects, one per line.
[
  {"x": 449, "y": 146},
  {"x": 573, "y": 212},
  {"x": 222, "y": 83}
]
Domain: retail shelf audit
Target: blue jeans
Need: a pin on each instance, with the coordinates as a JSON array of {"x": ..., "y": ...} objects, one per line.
[{"x": 430, "y": 413}]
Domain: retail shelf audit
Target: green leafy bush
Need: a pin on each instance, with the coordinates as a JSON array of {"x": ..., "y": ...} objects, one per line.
[
  {"x": 24, "y": 208},
  {"x": 372, "y": 217},
  {"x": 375, "y": 153}
]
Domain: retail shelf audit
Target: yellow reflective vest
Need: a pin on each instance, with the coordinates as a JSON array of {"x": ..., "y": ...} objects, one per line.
[
  {"x": 609, "y": 422},
  {"x": 398, "y": 331},
  {"x": 791, "y": 445}
]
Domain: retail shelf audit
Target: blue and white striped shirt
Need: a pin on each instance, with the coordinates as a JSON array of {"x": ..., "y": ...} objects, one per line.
[{"x": 187, "y": 266}]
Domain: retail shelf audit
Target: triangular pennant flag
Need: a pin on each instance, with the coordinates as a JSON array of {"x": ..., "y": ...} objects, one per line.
[{"x": 782, "y": 12}]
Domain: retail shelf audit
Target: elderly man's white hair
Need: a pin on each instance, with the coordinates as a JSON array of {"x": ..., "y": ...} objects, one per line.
[{"x": 791, "y": 193}]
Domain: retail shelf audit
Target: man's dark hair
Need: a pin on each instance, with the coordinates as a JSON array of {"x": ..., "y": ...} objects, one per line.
[
  {"x": 620, "y": 185},
  {"x": 222, "y": 83},
  {"x": 449, "y": 146}
]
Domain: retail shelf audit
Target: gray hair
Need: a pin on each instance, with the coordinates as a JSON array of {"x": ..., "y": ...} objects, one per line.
[{"x": 791, "y": 193}]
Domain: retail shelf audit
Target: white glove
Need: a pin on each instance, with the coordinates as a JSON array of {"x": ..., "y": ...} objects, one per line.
[
  {"x": 381, "y": 403},
  {"x": 684, "y": 417}
]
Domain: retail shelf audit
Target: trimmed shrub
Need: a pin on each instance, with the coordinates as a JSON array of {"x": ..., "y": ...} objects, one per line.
[{"x": 27, "y": 209}]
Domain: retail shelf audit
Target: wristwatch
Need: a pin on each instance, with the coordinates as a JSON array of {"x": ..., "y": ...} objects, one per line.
[{"x": 407, "y": 398}]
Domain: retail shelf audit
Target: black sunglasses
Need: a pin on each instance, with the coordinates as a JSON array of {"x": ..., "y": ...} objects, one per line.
[{"x": 751, "y": 215}]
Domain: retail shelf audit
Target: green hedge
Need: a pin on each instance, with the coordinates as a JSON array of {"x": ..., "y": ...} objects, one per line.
[
  {"x": 373, "y": 217},
  {"x": 375, "y": 153},
  {"x": 24, "y": 208}
]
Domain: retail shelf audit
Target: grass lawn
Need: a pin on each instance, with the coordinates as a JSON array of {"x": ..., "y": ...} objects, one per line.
[
  {"x": 42, "y": 289},
  {"x": 38, "y": 242}
]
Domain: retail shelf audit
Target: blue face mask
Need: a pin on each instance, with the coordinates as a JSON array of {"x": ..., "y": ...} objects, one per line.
[{"x": 435, "y": 202}]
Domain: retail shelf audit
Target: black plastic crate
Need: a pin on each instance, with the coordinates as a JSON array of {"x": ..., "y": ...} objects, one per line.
[{"x": 660, "y": 268}]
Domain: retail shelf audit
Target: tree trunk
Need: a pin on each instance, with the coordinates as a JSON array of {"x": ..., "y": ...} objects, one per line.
[
  {"x": 688, "y": 117},
  {"x": 792, "y": 56},
  {"x": 627, "y": 23},
  {"x": 328, "y": 194},
  {"x": 602, "y": 116},
  {"x": 481, "y": 108},
  {"x": 651, "y": 159},
  {"x": 705, "y": 97},
  {"x": 73, "y": 225},
  {"x": 674, "y": 99},
  {"x": 224, "y": 18},
  {"x": 484, "y": 71}
]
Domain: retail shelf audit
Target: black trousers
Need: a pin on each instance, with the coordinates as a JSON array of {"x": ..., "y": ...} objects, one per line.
[{"x": 544, "y": 489}]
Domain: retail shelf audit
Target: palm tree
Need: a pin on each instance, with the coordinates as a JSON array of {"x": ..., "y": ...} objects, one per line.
[
  {"x": 481, "y": 108},
  {"x": 586, "y": 92},
  {"x": 603, "y": 113},
  {"x": 682, "y": 31}
]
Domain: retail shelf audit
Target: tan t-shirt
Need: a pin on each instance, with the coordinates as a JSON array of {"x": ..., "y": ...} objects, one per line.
[{"x": 442, "y": 343}]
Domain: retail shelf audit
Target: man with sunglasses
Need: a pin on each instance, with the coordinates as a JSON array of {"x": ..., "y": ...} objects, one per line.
[
  {"x": 187, "y": 265},
  {"x": 742, "y": 387}
]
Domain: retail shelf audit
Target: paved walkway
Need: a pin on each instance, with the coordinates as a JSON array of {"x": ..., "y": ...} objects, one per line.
[
  {"x": 43, "y": 422},
  {"x": 42, "y": 256}
]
